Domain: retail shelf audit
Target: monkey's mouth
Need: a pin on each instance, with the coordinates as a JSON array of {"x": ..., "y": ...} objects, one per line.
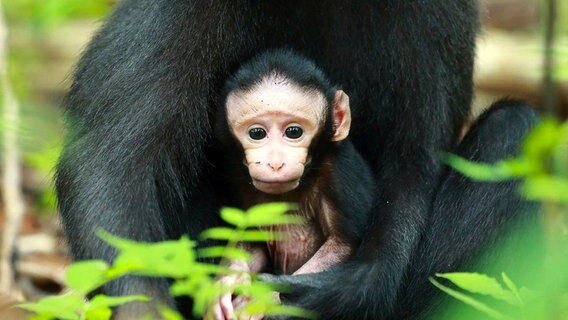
[
  {"x": 275, "y": 186},
  {"x": 275, "y": 181}
]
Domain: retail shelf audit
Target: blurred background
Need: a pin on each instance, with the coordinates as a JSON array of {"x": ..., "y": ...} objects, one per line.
[{"x": 46, "y": 37}]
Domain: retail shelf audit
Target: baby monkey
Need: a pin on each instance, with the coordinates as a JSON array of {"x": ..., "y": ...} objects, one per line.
[{"x": 281, "y": 117}]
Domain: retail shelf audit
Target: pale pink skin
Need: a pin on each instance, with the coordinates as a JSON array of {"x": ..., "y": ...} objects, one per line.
[{"x": 276, "y": 165}]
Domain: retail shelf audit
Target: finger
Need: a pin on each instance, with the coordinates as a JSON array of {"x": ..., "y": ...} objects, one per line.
[
  {"x": 214, "y": 312},
  {"x": 227, "y": 306},
  {"x": 218, "y": 312}
]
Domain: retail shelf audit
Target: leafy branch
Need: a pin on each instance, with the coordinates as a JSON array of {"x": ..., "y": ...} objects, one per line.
[{"x": 179, "y": 261}]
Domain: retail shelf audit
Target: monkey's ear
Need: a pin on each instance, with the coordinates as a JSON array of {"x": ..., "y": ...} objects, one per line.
[{"x": 341, "y": 116}]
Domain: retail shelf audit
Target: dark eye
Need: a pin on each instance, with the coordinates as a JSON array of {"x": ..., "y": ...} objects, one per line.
[
  {"x": 294, "y": 132},
  {"x": 257, "y": 133}
]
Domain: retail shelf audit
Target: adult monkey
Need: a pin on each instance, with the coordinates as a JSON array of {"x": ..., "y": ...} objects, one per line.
[{"x": 138, "y": 160}]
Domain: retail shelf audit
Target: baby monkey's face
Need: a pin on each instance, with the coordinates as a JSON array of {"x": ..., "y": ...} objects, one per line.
[{"x": 276, "y": 123}]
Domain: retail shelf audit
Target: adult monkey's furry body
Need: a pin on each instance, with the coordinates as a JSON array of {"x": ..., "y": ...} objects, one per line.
[{"x": 139, "y": 163}]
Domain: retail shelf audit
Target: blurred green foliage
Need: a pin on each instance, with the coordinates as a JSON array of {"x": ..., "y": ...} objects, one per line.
[
  {"x": 177, "y": 260},
  {"x": 31, "y": 23},
  {"x": 561, "y": 55},
  {"x": 543, "y": 170},
  {"x": 543, "y": 164},
  {"x": 562, "y": 21},
  {"x": 42, "y": 14},
  {"x": 487, "y": 286},
  {"x": 561, "y": 51}
]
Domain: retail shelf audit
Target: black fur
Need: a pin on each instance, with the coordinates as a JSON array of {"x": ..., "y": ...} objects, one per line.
[
  {"x": 291, "y": 65},
  {"x": 138, "y": 160}
]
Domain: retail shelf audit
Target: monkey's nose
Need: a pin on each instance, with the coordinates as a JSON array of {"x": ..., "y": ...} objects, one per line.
[{"x": 276, "y": 165}]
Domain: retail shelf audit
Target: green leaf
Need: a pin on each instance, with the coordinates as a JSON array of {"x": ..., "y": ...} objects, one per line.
[
  {"x": 259, "y": 290},
  {"x": 219, "y": 233},
  {"x": 545, "y": 145},
  {"x": 290, "y": 311},
  {"x": 198, "y": 283},
  {"x": 165, "y": 259},
  {"x": 207, "y": 269},
  {"x": 63, "y": 307},
  {"x": 261, "y": 236},
  {"x": 260, "y": 286},
  {"x": 169, "y": 314},
  {"x": 86, "y": 276},
  {"x": 106, "y": 301},
  {"x": 471, "y": 302},
  {"x": 209, "y": 291},
  {"x": 272, "y": 214},
  {"x": 561, "y": 73},
  {"x": 233, "y": 216},
  {"x": 542, "y": 140},
  {"x": 521, "y": 167},
  {"x": 560, "y": 155},
  {"x": 529, "y": 295},
  {"x": 100, "y": 313},
  {"x": 117, "y": 242},
  {"x": 224, "y": 252},
  {"x": 479, "y": 283},
  {"x": 511, "y": 285},
  {"x": 257, "y": 307},
  {"x": 479, "y": 171},
  {"x": 547, "y": 188}
]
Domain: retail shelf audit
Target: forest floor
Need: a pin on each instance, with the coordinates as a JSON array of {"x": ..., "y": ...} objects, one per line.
[{"x": 40, "y": 259}]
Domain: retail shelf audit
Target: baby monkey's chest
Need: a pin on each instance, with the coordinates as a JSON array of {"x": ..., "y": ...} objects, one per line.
[{"x": 301, "y": 242}]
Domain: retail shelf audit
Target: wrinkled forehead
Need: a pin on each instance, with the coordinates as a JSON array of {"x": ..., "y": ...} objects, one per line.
[{"x": 275, "y": 95}]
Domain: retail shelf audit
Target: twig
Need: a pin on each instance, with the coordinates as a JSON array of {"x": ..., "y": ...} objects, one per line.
[
  {"x": 548, "y": 86},
  {"x": 13, "y": 198}
]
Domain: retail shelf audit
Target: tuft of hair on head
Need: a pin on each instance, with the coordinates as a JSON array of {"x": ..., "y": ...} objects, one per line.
[{"x": 284, "y": 66}]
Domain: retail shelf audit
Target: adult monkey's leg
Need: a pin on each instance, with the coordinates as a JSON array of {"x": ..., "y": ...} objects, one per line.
[{"x": 471, "y": 220}]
